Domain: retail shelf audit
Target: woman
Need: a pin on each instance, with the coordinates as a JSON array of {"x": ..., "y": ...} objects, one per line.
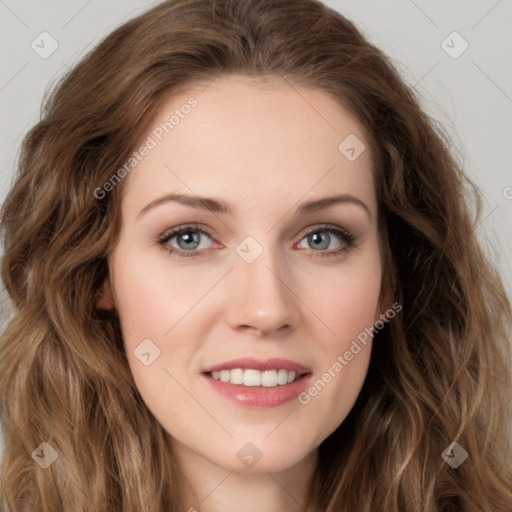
[{"x": 246, "y": 277}]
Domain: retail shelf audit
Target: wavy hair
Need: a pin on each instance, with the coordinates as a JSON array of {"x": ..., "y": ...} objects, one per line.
[{"x": 439, "y": 372}]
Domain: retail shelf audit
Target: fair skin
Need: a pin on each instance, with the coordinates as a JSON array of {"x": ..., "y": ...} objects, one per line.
[{"x": 264, "y": 148}]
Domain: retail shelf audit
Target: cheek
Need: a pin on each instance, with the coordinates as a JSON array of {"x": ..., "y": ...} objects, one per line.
[
  {"x": 151, "y": 296},
  {"x": 157, "y": 306},
  {"x": 345, "y": 300},
  {"x": 348, "y": 309}
]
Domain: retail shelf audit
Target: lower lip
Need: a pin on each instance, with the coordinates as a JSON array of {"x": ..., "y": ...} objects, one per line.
[{"x": 259, "y": 396}]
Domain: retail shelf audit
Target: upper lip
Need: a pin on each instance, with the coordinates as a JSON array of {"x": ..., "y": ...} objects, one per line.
[{"x": 249, "y": 363}]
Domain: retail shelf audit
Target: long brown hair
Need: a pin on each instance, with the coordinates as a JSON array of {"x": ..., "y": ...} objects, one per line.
[{"x": 439, "y": 372}]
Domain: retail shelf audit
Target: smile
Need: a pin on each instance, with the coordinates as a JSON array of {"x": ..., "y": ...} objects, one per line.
[
  {"x": 250, "y": 382},
  {"x": 252, "y": 377}
]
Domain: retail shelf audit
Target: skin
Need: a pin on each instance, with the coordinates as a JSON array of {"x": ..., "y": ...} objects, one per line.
[{"x": 263, "y": 147}]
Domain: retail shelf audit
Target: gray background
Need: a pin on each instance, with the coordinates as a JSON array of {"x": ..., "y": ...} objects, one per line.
[{"x": 470, "y": 95}]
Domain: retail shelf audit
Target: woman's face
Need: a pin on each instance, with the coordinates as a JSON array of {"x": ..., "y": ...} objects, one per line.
[{"x": 240, "y": 328}]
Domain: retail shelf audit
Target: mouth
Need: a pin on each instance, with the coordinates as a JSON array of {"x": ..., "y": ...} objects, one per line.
[
  {"x": 251, "y": 377},
  {"x": 258, "y": 383}
]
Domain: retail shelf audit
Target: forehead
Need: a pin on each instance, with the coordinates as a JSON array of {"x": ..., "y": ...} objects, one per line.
[{"x": 252, "y": 138}]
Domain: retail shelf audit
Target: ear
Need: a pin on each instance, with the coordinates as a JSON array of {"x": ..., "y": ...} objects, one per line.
[{"x": 105, "y": 297}]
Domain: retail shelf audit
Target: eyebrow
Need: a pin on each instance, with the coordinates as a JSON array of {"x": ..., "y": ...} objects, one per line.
[{"x": 219, "y": 206}]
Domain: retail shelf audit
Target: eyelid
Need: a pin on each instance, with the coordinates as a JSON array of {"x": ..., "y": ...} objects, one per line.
[
  {"x": 318, "y": 226},
  {"x": 193, "y": 226}
]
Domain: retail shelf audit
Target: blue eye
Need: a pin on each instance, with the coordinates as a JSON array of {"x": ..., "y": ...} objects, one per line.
[
  {"x": 189, "y": 241},
  {"x": 321, "y": 237}
]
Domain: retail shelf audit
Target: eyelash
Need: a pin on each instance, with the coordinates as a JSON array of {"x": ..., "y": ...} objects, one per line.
[{"x": 349, "y": 238}]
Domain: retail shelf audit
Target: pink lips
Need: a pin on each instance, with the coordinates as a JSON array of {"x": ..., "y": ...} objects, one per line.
[{"x": 259, "y": 396}]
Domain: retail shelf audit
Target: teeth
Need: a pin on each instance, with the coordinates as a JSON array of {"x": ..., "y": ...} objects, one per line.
[
  {"x": 236, "y": 376},
  {"x": 267, "y": 378},
  {"x": 282, "y": 377},
  {"x": 252, "y": 378}
]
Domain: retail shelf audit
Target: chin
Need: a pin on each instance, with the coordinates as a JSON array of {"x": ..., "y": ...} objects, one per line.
[{"x": 261, "y": 456}]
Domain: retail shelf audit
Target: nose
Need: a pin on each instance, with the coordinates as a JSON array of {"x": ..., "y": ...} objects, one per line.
[{"x": 261, "y": 297}]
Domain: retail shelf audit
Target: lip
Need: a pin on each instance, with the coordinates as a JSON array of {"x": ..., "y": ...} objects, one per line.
[{"x": 259, "y": 396}]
